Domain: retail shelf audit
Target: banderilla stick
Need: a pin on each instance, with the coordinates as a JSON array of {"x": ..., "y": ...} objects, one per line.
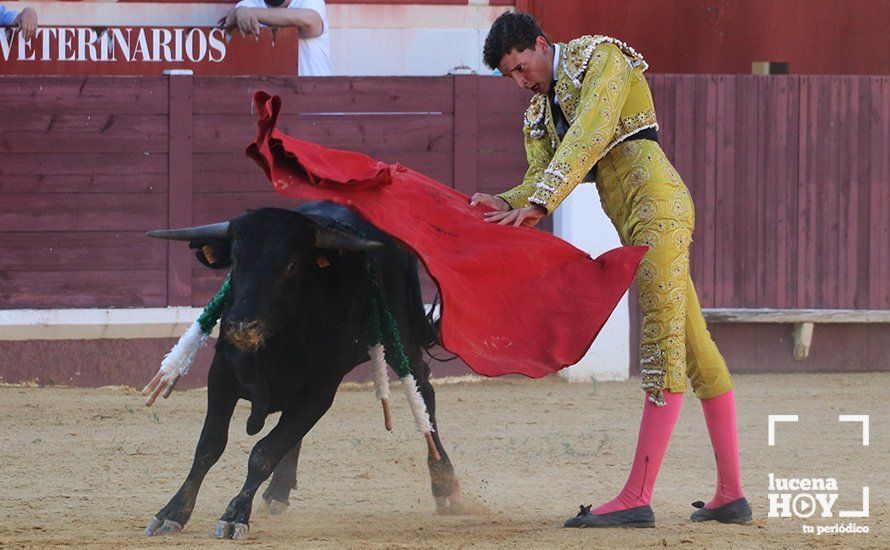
[
  {"x": 431, "y": 447},
  {"x": 387, "y": 416}
]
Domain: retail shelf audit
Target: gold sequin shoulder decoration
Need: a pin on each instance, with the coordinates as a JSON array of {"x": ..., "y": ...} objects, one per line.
[
  {"x": 534, "y": 116},
  {"x": 579, "y": 50}
]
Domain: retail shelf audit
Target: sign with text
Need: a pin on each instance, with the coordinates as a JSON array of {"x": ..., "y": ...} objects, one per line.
[{"x": 147, "y": 51}]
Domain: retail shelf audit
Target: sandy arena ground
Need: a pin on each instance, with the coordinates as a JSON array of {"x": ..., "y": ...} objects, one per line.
[{"x": 89, "y": 468}]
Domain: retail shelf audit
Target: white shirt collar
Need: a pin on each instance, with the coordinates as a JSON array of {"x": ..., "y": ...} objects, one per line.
[
  {"x": 555, "y": 68},
  {"x": 555, "y": 60}
]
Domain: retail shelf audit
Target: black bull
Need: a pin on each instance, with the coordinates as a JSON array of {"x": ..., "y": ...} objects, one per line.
[{"x": 296, "y": 324}]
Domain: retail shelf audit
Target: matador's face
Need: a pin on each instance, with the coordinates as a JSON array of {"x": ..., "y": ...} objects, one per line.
[{"x": 530, "y": 69}]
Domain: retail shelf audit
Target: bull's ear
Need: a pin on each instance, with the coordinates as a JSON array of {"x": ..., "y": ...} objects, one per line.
[
  {"x": 337, "y": 239},
  {"x": 213, "y": 253}
]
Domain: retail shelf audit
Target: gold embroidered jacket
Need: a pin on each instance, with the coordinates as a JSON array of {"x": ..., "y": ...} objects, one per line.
[{"x": 604, "y": 96}]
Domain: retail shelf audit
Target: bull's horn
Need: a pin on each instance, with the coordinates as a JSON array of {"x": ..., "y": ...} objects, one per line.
[
  {"x": 212, "y": 231},
  {"x": 332, "y": 239}
]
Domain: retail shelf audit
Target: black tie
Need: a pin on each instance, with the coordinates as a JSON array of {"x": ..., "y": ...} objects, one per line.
[{"x": 559, "y": 118}]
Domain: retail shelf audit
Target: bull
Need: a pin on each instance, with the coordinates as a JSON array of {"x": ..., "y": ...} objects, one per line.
[{"x": 295, "y": 326}]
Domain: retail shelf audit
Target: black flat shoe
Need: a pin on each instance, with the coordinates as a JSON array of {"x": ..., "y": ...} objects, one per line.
[
  {"x": 737, "y": 511},
  {"x": 641, "y": 516}
]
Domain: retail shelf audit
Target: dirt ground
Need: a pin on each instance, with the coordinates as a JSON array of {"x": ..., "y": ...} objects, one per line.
[{"x": 89, "y": 468}]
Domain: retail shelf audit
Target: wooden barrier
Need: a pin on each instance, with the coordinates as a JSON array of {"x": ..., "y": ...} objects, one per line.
[{"x": 790, "y": 177}]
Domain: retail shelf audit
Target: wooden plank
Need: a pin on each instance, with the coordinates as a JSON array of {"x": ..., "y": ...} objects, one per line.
[
  {"x": 362, "y": 133},
  {"x": 98, "y": 362},
  {"x": 501, "y": 170},
  {"x": 501, "y": 95},
  {"x": 29, "y": 212},
  {"x": 68, "y": 250},
  {"x": 850, "y": 205},
  {"x": 234, "y": 95},
  {"x": 83, "y": 133},
  {"x": 500, "y": 132},
  {"x": 860, "y": 210},
  {"x": 656, "y": 86},
  {"x": 747, "y": 189},
  {"x": 205, "y": 283},
  {"x": 739, "y": 345},
  {"x": 224, "y": 172},
  {"x": 829, "y": 179},
  {"x": 179, "y": 197},
  {"x": 786, "y": 175},
  {"x": 501, "y": 153},
  {"x": 666, "y": 114},
  {"x": 83, "y": 173},
  {"x": 807, "y": 217},
  {"x": 768, "y": 315},
  {"x": 69, "y": 288},
  {"x": 466, "y": 143},
  {"x": 683, "y": 125},
  {"x": 90, "y": 95},
  {"x": 95, "y": 323},
  {"x": 727, "y": 184},
  {"x": 879, "y": 212},
  {"x": 704, "y": 188},
  {"x": 771, "y": 125},
  {"x": 214, "y": 207},
  {"x": 685, "y": 145}
]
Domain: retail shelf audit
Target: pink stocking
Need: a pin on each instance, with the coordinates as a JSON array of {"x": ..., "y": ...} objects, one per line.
[
  {"x": 720, "y": 418},
  {"x": 655, "y": 432}
]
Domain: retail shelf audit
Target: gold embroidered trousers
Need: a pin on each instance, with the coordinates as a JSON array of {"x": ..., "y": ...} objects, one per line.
[{"x": 650, "y": 205}]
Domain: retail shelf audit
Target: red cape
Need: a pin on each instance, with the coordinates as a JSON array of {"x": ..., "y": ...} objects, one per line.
[{"x": 515, "y": 300}]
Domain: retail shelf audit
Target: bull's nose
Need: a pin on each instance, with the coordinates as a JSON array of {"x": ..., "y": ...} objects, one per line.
[{"x": 245, "y": 335}]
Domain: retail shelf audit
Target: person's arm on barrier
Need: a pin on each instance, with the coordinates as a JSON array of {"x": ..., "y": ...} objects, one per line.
[
  {"x": 249, "y": 20},
  {"x": 25, "y": 21}
]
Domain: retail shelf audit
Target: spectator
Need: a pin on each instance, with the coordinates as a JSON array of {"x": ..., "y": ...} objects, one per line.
[
  {"x": 26, "y": 21},
  {"x": 309, "y": 16}
]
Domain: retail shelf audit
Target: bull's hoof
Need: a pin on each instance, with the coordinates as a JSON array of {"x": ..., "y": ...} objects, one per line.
[
  {"x": 274, "y": 507},
  {"x": 230, "y": 530},
  {"x": 457, "y": 504},
  {"x": 452, "y": 505},
  {"x": 159, "y": 526}
]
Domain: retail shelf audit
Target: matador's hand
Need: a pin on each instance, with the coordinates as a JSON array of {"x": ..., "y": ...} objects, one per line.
[
  {"x": 490, "y": 201},
  {"x": 528, "y": 216}
]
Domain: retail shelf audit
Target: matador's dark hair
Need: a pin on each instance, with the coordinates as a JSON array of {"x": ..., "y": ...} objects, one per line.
[{"x": 511, "y": 31}]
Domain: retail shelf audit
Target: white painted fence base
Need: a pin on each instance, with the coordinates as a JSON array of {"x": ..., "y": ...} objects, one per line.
[
  {"x": 96, "y": 324},
  {"x": 581, "y": 221}
]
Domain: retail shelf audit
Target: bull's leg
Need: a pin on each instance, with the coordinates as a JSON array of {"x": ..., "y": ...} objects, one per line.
[
  {"x": 221, "y": 398},
  {"x": 445, "y": 486},
  {"x": 306, "y": 409},
  {"x": 284, "y": 480}
]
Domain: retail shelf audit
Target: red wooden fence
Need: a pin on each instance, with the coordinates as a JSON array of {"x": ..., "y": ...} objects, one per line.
[{"x": 790, "y": 175}]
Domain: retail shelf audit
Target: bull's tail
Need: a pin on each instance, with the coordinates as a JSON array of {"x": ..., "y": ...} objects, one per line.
[
  {"x": 433, "y": 324},
  {"x": 433, "y": 330}
]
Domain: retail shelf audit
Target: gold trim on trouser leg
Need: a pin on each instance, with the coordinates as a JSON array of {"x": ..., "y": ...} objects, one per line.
[
  {"x": 705, "y": 365},
  {"x": 662, "y": 279},
  {"x": 649, "y": 204}
]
